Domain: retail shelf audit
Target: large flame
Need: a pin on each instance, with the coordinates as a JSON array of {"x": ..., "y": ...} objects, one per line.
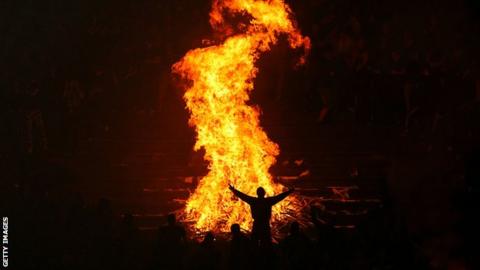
[{"x": 237, "y": 149}]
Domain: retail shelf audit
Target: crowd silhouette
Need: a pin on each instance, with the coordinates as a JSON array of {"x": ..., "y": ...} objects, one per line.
[{"x": 82, "y": 236}]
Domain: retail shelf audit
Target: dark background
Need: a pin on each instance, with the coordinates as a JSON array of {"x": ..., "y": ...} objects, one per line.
[{"x": 387, "y": 109}]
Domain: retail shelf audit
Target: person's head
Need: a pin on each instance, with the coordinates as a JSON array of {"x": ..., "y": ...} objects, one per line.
[
  {"x": 171, "y": 220},
  {"x": 260, "y": 192},
  {"x": 209, "y": 238},
  {"x": 294, "y": 228},
  {"x": 235, "y": 229}
]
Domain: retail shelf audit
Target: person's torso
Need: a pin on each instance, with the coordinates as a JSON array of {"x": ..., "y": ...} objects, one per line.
[{"x": 261, "y": 210}]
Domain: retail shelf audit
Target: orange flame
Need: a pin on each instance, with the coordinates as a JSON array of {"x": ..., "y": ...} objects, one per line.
[{"x": 237, "y": 149}]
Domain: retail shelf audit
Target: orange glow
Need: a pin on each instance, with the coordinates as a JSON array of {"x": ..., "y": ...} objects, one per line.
[{"x": 237, "y": 149}]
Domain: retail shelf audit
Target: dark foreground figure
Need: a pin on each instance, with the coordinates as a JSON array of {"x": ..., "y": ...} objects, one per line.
[{"x": 261, "y": 212}]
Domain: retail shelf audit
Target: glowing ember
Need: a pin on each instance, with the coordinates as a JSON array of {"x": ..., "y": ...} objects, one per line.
[{"x": 237, "y": 149}]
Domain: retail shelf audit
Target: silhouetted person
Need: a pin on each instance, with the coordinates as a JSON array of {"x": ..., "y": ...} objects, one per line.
[
  {"x": 127, "y": 243},
  {"x": 101, "y": 241},
  {"x": 327, "y": 245},
  {"x": 208, "y": 256},
  {"x": 295, "y": 248},
  {"x": 240, "y": 256},
  {"x": 261, "y": 212},
  {"x": 171, "y": 241}
]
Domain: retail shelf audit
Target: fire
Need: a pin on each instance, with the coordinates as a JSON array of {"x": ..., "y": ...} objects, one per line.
[{"x": 237, "y": 149}]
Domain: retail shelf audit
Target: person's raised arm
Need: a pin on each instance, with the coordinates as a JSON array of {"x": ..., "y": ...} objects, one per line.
[
  {"x": 244, "y": 197},
  {"x": 276, "y": 199}
]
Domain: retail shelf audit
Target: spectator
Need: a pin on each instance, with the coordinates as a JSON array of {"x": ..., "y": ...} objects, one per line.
[
  {"x": 296, "y": 249},
  {"x": 171, "y": 244},
  {"x": 261, "y": 213},
  {"x": 240, "y": 249}
]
